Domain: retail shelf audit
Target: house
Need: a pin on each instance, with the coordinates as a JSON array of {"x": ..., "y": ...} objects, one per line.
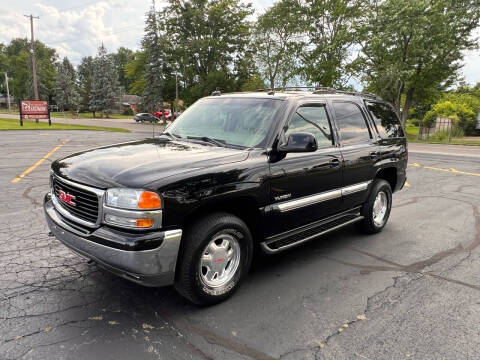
[
  {"x": 130, "y": 101},
  {"x": 3, "y": 101}
]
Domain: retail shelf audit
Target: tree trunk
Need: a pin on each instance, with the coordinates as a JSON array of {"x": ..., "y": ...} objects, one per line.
[{"x": 407, "y": 105}]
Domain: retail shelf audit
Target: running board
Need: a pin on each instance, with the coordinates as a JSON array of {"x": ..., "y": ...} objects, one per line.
[{"x": 305, "y": 233}]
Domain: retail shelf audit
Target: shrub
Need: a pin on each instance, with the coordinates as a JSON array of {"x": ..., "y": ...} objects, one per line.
[
  {"x": 457, "y": 132},
  {"x": 128, "y": 111},
  {"x": 441, "y": 136},
  {"x": 414, "y": 122},
  {"x": 460, "y": 107}
]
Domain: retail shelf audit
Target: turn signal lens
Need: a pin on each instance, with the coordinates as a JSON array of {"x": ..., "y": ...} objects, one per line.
[
  {"x": 144, "y": 223},
  {"x": 149, "y": 200}
]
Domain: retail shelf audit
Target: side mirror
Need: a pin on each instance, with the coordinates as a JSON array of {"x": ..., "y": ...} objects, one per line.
[{"x": 299, "y": 142}]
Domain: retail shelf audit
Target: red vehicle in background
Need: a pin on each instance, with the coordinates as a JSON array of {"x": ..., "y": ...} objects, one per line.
[{"x": 166, "y": 112}]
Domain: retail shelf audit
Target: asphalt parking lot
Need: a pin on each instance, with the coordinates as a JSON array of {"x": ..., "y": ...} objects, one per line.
[{"x": 410, "y": 292}]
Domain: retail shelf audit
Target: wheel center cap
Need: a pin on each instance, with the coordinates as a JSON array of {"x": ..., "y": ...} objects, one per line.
[{"x": 218, "y": 260}]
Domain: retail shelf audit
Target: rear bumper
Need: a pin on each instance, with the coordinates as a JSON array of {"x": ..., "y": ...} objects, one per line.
[{"x": 152, "y": 267}]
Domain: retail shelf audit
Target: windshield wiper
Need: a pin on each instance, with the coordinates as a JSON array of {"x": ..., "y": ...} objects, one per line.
[
  {"x": 173, "y": 136},
  {"x": 221, "y": 143}
]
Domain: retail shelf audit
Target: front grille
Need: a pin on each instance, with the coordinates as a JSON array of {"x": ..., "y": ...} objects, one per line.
[{"x": 86, "y": 202}]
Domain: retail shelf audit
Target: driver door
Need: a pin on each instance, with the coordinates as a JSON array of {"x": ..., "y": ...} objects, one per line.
[{"x": 305, "y": 187}]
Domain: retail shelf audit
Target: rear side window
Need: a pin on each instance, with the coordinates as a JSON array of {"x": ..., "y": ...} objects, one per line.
[
  {"x": 385, "y": 119},
  {"x": 351, "y": 123},
  {"x": 311, "y": 119}
]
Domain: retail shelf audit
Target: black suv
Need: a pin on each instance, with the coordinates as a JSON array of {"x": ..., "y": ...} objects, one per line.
[{"x": 234, "y": 174}]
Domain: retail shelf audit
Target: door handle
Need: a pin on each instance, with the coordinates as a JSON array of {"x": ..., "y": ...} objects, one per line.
[{"x": 334, "y": 163}]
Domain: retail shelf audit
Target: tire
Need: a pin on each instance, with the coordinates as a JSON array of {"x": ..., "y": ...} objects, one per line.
[
  {"x": 375, "y": 221},
  {"x": 195, "y": 276}
]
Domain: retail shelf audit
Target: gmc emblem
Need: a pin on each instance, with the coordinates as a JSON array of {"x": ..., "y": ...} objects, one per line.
[{"x": 66, "y": 198}]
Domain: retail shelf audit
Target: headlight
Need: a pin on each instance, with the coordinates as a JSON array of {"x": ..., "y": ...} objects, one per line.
[{"x": 132, "y": 199}]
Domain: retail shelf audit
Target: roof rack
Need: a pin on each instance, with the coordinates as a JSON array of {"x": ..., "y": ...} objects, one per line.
[
  {"x": 322, "y": 90},
  {"x": 286, "y": 88},
  {"x": 327, "y": 90}
]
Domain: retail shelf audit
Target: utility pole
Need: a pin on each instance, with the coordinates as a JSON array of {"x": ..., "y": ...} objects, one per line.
[
  {"x": 8, "y": 92},
  {"x": 34, "y": 60}
]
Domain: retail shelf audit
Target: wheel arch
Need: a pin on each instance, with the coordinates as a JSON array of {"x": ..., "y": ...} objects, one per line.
[
  {"x": 388, "y": 174},
  {"x": 245, "y": 208}
]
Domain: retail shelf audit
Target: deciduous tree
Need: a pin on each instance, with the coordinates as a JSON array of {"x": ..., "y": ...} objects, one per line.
[
  {"x": 278, "y": 43},
  {"x": 415, "y": 47}
]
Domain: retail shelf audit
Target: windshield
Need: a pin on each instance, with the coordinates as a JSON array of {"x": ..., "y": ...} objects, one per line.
[{"x": 233, "y": 121}]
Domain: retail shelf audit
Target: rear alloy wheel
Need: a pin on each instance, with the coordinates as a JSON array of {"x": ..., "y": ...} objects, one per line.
[
  {"x": 216, "y": 255},
  {"x": 376, "y": 209}
]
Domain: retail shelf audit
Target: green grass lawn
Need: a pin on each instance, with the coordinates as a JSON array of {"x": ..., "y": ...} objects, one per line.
[
  {"x": 88, "y": 115},
  {"x": 14, "y": 124},
  {"x": 68, "y": 115},
  {"x": 412, "y": 133}
]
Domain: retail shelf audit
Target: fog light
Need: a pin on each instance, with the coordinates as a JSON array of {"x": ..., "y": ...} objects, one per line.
[{"x": 128, "y": 222}]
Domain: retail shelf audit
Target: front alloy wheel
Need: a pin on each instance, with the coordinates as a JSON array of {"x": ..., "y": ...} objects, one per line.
[
  {"x": 216, "y": 255},
  {"x": 220, "y": 260}
]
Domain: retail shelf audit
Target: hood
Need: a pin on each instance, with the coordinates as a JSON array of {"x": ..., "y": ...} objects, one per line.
[{"x": 136, "y": 164}]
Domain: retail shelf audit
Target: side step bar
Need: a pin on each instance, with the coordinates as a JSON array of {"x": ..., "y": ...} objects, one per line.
[{"x": 308, "y": 232}]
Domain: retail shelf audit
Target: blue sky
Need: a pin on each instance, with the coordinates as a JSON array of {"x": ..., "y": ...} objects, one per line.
[{"x": 76, "y": 28}]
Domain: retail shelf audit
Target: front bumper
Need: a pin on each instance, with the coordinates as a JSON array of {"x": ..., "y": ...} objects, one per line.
[{"x": 152, "y": 267}]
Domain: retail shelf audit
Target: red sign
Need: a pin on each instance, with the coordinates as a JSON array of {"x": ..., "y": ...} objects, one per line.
[
  {"x": 36, "y": 116},
  {"x": 34, "y": 109}
]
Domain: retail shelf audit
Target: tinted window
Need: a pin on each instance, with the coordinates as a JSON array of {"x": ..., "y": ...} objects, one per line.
[
  {"x": 351, "y": 123},
  {"x": 386, "y": 120},
  {"x": 314, "y": 120}
]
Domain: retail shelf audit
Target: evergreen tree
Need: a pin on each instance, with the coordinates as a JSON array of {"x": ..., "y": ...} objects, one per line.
[
  {"x": 85, "y": 76},
  {"x": 66, "y": 94},
  {"x": 154, "y": 70},
  {"x": 105, "y": 86}
]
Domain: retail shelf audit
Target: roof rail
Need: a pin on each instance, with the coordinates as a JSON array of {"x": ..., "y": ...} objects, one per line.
[
  {"x": 321, "y": 90},
  {"x": 286, "y": 88},
  {"x": 327, "y": 90}
]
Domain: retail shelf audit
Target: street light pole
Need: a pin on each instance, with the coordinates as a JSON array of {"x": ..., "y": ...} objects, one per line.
[{"x": 8, "y": 92}]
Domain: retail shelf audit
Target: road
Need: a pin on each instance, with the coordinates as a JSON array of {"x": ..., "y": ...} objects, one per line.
[{"x": 410, "y": 292}]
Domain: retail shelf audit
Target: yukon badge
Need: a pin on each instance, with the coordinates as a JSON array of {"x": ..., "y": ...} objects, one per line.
[{"x": 282, "y": 197}]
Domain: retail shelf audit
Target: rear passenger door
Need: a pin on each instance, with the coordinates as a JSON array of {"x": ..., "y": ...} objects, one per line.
[{"x": 358, "y": 150}]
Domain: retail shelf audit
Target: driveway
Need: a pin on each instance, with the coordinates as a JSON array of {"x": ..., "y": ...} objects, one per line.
[{"x": 410, "y": 292}]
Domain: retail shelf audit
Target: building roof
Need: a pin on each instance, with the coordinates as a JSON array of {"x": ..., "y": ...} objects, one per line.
[{"x": 130, "y": 99}]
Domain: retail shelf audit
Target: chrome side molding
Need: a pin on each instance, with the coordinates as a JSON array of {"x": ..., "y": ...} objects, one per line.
[
  {"x": 320, "y": 197},
  {"x": 309, "y": 200}
]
